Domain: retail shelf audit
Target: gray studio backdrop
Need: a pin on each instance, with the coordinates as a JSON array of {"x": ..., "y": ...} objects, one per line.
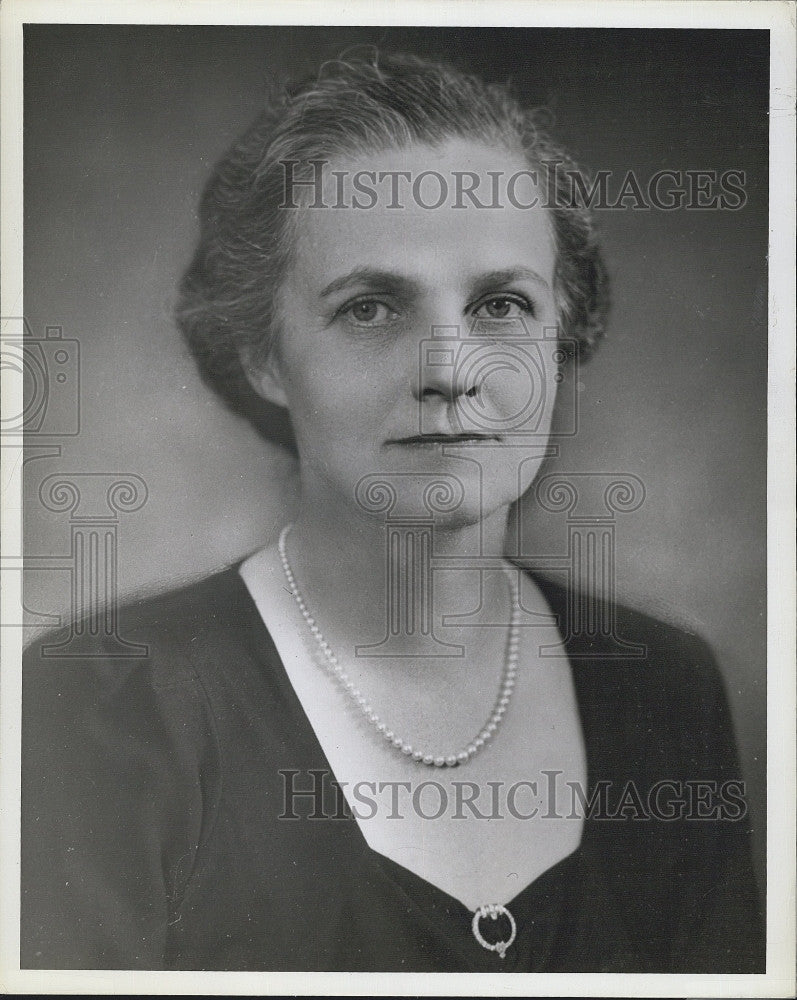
[{"x": 122, "y": 125}]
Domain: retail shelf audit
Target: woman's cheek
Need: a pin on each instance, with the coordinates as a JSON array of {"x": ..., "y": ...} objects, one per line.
[{"x": 521, "y": 393}]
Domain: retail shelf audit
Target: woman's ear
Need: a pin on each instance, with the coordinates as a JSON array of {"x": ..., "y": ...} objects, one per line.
[{"x": 264, "y": 377}]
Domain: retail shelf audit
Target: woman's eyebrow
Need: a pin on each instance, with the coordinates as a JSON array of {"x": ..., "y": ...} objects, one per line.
[
  {"x": 372, "y": 276},
  {"x": 495, "y": 279}
]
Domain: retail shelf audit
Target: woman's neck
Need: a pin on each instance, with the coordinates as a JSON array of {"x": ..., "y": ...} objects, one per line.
[{"x": 361, "y": 571}]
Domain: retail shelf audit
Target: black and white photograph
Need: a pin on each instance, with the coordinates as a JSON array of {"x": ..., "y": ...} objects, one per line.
[{"x": 400, "y": 578}]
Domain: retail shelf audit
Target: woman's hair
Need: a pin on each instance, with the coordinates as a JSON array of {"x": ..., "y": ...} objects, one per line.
[{"x": 227, "y": 305}]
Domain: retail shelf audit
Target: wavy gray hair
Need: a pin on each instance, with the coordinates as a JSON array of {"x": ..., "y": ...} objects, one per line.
[{"x": 226, "y": 309}]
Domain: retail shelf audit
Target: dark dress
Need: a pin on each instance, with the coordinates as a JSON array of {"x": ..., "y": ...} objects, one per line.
[{"x": 152, "y": 791}]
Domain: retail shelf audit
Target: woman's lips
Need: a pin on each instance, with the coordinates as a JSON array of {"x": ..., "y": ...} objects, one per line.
[{"x": 421, "y": 440}]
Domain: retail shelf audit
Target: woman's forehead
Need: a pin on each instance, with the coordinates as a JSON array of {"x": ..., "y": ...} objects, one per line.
[
  {"x": 462, "y": 207},
  {"x": 463, "y": 172}
]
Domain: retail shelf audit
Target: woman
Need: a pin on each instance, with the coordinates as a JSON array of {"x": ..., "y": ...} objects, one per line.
[{"x": 372, "y": 745}]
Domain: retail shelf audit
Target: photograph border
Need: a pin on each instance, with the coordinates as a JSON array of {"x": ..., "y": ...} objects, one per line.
[{"x": 779, "y": 19}]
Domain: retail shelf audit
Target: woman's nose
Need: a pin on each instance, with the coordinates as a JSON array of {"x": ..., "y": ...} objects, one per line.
[{"x": 443, "y": 371}]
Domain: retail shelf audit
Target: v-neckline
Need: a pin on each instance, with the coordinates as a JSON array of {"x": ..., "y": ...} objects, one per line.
[{"x": 556, "y": 597}]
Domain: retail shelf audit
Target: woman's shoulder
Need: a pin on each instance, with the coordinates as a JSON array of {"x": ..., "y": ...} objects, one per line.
[
  {"x": 614, "y": 631},
  {"x": 144, "y": 625},
  {"x": 121, "y": 777},
  {"x": 647, "y": 675},
  {"x": 136, "y": 668},
  {"x": 667, "y": 795}
]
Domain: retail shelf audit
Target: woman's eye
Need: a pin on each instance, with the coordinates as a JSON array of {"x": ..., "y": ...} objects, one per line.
[
  {"x": 370, "y": 312},
  {"x": 502, "y": 307}
]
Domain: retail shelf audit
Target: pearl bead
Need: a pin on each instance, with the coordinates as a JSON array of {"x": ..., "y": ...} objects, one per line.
[{"x": 499, "y": 709}]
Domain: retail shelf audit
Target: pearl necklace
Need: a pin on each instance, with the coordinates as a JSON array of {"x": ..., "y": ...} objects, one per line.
[{"x": 487, "y": 732}]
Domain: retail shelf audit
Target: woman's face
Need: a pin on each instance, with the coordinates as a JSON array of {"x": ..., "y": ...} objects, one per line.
[{"x": 372, "y": 382}]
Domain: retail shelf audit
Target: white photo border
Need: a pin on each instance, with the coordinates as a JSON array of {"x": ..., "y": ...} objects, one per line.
[{"x": 776, "y": 17}]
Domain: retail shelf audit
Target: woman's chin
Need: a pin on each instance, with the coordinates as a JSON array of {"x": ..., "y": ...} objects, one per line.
[{"x": 409, "y": 512}]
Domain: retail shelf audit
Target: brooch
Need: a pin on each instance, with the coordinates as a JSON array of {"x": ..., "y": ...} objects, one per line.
[{"x": 493, "y": 911}]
